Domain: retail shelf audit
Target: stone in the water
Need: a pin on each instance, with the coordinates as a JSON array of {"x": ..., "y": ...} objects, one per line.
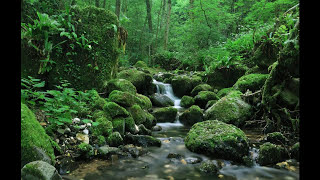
[{"x": 156, "y": 128}]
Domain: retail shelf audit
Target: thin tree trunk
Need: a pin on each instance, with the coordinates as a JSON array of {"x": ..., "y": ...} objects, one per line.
[
  {"x": 118, "y": 5},
  {"x": 149, "y": 24},
  {"x": 167, "y": 26},
  {"x": 158, "y": 24}
]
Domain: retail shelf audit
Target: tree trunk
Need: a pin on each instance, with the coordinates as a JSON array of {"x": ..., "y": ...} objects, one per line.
[
  {"x": 167, "y": 25},
  {"x": 97, "y": 3},
  {"x": 118, "y": 5},
  {"x": 149, "y": 24}
]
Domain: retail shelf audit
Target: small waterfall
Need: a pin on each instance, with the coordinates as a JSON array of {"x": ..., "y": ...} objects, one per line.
[{"x": 166, "y": 89}]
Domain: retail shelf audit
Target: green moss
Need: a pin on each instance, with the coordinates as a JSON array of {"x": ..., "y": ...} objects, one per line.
[
  {"x": 138, "y": 114},
  {"x": 143, "y": 101},
  {"x": 223, "y": 92},
  {"x": 115, "y": 110},
  {"x": 104, "y": 127},
  {"x": 115, "y": 139},
  {"x": 33, "y": 170},
  {"x": 121, "y": 85},
  {"x": 101, "y": 140},
  {"x": 122, "y": 98},
  {"x": 150, "y": 121},
  {"x": 210, "y": 103},
  {"x": 253, "y": 82},
  {"x": 86, "y": 150},
  {"x": 119, "y": 125},
  {"x": 186, "y": 101},
  {"x": 165, "y": 114},
  {"x": 230, "y": 109},
  {"x": 270, "y": 153},
  {"x": 129, "y": 124},
  {"x": 203, "y": 97},
  {"x": 191, "y": 116},
  {"x": 99, "y": 113},
  {"x": 183, "y": 85},
  {"x": 99, "y": 103},
  {"x": 276, "y": 138},
  {"x": 33, "y": 135},
  {"x": 201, "y": 87},
  {"x": 141, "y": 64},
  {"x": 217, "y": 139}
]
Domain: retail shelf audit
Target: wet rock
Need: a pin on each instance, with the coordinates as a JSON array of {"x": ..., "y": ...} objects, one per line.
[
  {"x": 143, "y": 130},
  {"x": 191, "y": 116},
  {"x": 156, "y": 128},
  {"x": 270, "y": 153},
  {"x": 193, "y": 160},
  {"x": 217, "y": 139},
  {"x": 39, "y": 170},
  {"x": 209, "y": 166},
  {"x": 230, "y": 109},
  {"x": 135, "y": 151},
  {"x": 106, "y": 150},
  {"x": 161, "y": 100},
  {"x": 142, "y": 140},
  {"x": 115, "y": 139},
  {"x": 166, "y": 114}
]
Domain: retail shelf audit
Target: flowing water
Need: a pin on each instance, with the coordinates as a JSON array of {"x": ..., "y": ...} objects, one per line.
[{"x": 157, "y": 165}]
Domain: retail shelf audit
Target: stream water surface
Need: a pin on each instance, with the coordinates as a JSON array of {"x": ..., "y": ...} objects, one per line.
[{"x": 156, "y": 164}]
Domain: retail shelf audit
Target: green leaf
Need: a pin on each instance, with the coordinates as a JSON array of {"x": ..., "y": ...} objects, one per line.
[{"x": 39, "y": 85}]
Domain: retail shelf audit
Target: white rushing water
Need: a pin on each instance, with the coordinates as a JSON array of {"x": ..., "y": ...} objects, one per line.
[{"x": 166, "y": 89}]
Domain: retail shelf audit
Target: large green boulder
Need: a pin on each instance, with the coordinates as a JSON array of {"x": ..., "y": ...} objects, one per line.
[
  {"x": 124, "y": 99},
  {"x": 183, "y": 84},
  {"x": 191, "y": 116},
  {"x": 186, "y": 101},
  {"x": 203, "y": 97},
  {"x": 115, "y": 139},
  {"x": 104, "y": 128},
  {"x": 224, "y": 91},
  {"x": 138, "y": 114},
  {"x": 201, "y": 87},
  {"x": 115, "y": 110},
  {"x": 143, "y": 101},
  {"x": 270, "y": 154},
  {"x": 141, "y": 80},
  {"x": 253, "y": 82},
  {"x": 165, "y": 114},
  {"x": 230, "y": 109},
  {"x": 217, "y": 139},
  {"x": 34, "y": 136},
  {"x": 39, "y": 170},
  {"x": 121, "y": 85}
]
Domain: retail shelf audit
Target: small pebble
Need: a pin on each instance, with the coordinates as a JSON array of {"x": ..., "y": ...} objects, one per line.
[{"x": 86, "y": 131}]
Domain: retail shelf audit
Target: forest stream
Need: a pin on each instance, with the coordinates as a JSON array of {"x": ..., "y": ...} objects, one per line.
[{"x": 174, "y": 161}]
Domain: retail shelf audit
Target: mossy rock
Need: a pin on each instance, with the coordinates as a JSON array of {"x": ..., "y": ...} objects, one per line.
[
  {"x": 86, "y": 150},
  {"x": 201, "y": 87},
  {"x": 230, "y": 109},
  {"x": 183, "y": 85},
  {"x": 141, "y": 64},
  {"x": 191, "y": 116},
  {"x": 217, "y": 139},
  {"x": 186, "y": 101},
  {"x": 39, "y": 170},
  {"x": 99, "y": 113},
  {"x": 294, "y": 151},
  {"x": 115, "y": 110},
  {"x": 124, "y": 99},
  {"x": 119, "y": 125},
  {"x": 104, "y": 127},
  {"x": 143, "y": 101},
  {"x": 253, "y": 82},
  {"x": 165, "y": 114},
  {"x": 270, "y": 154},
  {"x": 276, "y": 138},
  {"x": 203, "y": 97},
  {"x": 150, "y": 121},
  {"x": 224, "y": 91},
  {"x": 115, "y": 139},
  {"x": 130, "y": 125},
  {"x": 210, "y": 103},
  {"x": 143, "y": 140},
  {"x": 138, "y": 114},
  {"x": 33, "y": 135},
  {"x": 142, "y": 81},
  {"x": 161, "y": 100},
  {"x": 209, "y": 166},
  {"x": 121, "y": 85}
]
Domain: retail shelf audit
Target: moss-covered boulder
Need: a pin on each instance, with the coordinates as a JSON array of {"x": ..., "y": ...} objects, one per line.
[
  {"x": 138, "y": 114},
  {"x": 183, "y": 85},
  {"x": 33, "y": 135},
  {"x": 39, "y": 170},
  {"x": 130, "y": 125},
  {"x": 230, "y": 109},
  {"x": 201, "y": 87},
  {"x": 86, "y": 150},
  {"x": 115, "y": 110},
  {"x": 224, "y": 91},
  {"x": 270, "y": 154},
  {"x": 276, "y": 138},
  {"x": 115, "y": 139},
  {"x": 165, "y": 114},
  {"x": 161, "y": 100},
  {"x": 225, "y": 77},
  {"x": 141, "y": 64},
  {"x": 265, "y": 53},
  {"x": 294, "y": 151},
  {"x": 186, "y": 101},
  {"x": 119, "y": 125},
  {"x": 104, "y": 128},
  {"x": 253, "y": 82},
  {"x": 141, "y": 80},
  {"x": 142, "y": 140},
  {"x": 203, "y": 97},
  {"x": 124, "y": 99},
  {"x": 217, "y": 139},
  {"x": 143, "y": 101},
  {"x": 121, "y": 85},
  {"x": 210, "y": 103},
  {"x": 191, "y": 116}
]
